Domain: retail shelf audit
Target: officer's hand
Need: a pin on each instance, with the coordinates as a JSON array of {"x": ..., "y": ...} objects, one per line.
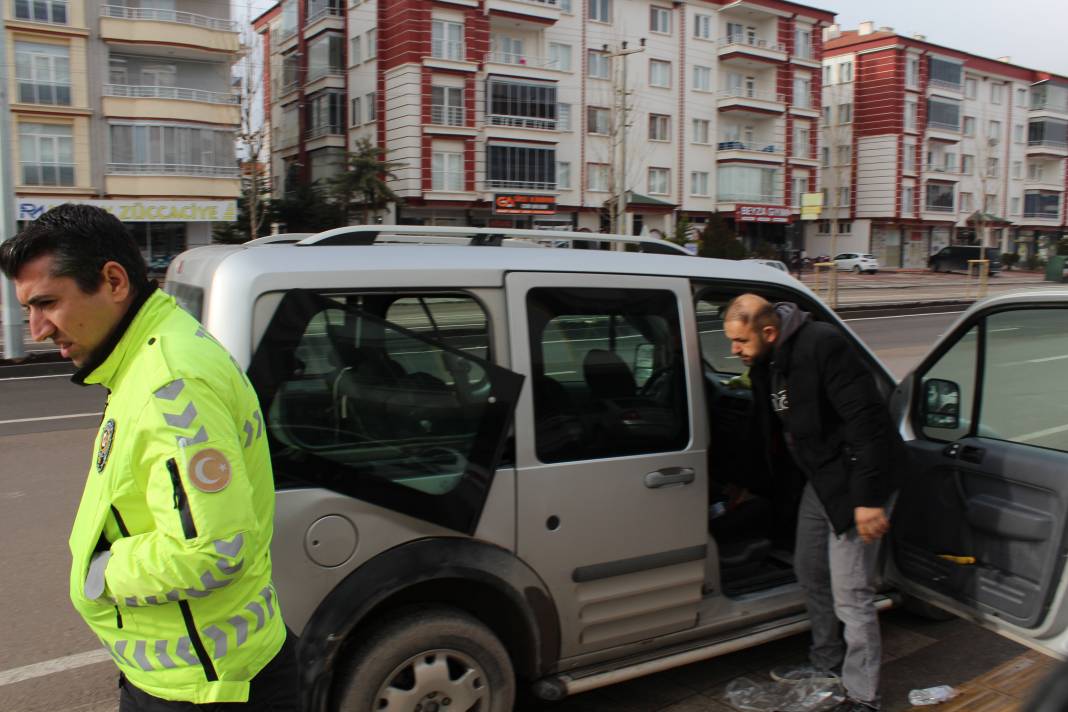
[{"x": 871, "y": 522}]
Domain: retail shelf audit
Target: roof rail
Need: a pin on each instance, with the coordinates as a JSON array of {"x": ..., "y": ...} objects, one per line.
[
  {"x": 279, "y": 239},
  {"x": 483, "y": 236}
]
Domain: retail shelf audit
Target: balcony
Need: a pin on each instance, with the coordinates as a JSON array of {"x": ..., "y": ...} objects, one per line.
[
  {"x": 940, "y": 167},
  {"x": 519, "y": 185},
  {"x": 736, "y": 47},
  {"x": 172, "y": 169},
  {"x": 540, "y": 12},
  {"x": 1047, "y": 147},
  {"x": 140, "y": 25},
  {"x": 177, "y": 103},
  {"x": 444, "y": 115},
  {"x": 1043, "y": 215},
  {"x": 521, "y": 122},
  {"x": 938, "y": 209},
  {"x": 726, "y": 196},
  {"x": 325, "y": 13},
  {"x": 751, "y": 100},
  {"x": 321, "y": 131},
  {"x": 750, "y": 151},
  {"x": 945, "y": 85}
]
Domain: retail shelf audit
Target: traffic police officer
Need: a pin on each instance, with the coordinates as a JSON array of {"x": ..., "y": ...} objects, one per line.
[{"x": 171, "y": 543}]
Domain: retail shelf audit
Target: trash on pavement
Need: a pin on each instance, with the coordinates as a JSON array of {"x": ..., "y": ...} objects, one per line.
[
  {"x": 800, "y": 696},
  {"x": 931, "y": 695}
]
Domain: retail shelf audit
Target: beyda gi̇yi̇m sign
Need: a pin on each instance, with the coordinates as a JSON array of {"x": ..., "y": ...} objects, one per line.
[{"x": 761, "y": 213}]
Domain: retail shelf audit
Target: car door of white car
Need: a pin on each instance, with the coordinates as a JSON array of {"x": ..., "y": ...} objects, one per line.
[
  {"x": 610, "y": 453},
  {"x": 980, "y": 525}
]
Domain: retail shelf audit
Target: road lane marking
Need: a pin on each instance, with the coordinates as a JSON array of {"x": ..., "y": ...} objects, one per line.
[
  {"x": 30, "y": 378},
  {"x": 899, "y": 316},
  {"x": 50, "y": 417},
  {"x": 1039, "y": 434},
  {"x": 50, "y": 667},
  {"x": 1035, "y": 360}
]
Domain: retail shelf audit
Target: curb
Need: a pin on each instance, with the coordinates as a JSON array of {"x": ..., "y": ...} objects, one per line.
[{"x": 33, "y": 359}]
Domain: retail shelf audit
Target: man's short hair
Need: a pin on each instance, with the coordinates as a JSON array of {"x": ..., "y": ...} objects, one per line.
[
  {"x": 82, "y": 239},
  {"x": 752, "y": 310}
]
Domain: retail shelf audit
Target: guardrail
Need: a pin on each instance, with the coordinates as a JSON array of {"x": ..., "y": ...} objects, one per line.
[
  {"x": 332, "y": 11},
  {"x": 1047, "y": 143},
  {"x": 523, "y": 60},
  {"x": 520, "y": 185},
  {"x": 160, "y": 15},
  {"x": 172, "y": 169},
  {"x": 523, "y": 122},
  {"x": 944, "y": 84},
  {"x": 938, "y": 209},
  {"x": 759, "y": 146},
  {"x": 157, "y": 92},
  {"x": 747, "y": 94},
  {"x": 443, "y": 115},
  {"x": 750, "y": 42},
  {"x": 448, "y": 49},
  {"x": 318, "y": 131},
  {"x": 943, "y": 125}
]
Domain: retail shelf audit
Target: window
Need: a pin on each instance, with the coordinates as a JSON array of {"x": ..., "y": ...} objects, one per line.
[
  {"x": 702, "y": 26},
  {"x": 355, "y": 402},
  {"x": 602, "y": 348},
  {"x": 659, "y": 73},
  {"x": 944, "y": 73},
  {"x": 845, "y": 113},
  {"x": 990, "y": 204},
  {"x": 372, "y": 42},
  {"x": 943, "y": 114},
  {"x": 525, "y": 103},
  {"x": 701, "y": 130},
  {"x": 823, "y": 227},
  {"x": 660, "y": 20},
  {"x": 598, "y": 120},
  {"x": 560, "y": 56},
  {"x": 969, "y": 125},
  {"x": 699, "y": 183},
  {"x": 742, "y": 183},
  {"x": 1018, "y": 134},
  {"x": 659, "y": 178},
  {"x": 909, "y": 150},
  {"x": 659, "y": 127},
  {"x": 803, "y": 43},
  {"x": 965, "y": 202},
  {"x": 843, "y": 197},
  {"x": 54, "y": 11},
  {"x": 1035, "y": 171},
  {"x": 355, "y": 112},
  {"x": 1042, "y": 204},
  {"x": 844, "y": 154},
  {"x": 971, "y": 88},
  {"x": 802, "y": 140},
  {"x": 325, "y": 56},
  {"x": 372, "y": 106},
  {"x": 447, "y": 171},
  {"x": 799, "y": 185},
  {"x": 446, "y": 40},
  {"x": 912, "y": 72},
  {"x": 1021, "y": 98},
  {"x": 563, "y": 117},
  {"x": 597, "y": 177},
  {"x": 997, "y": 92},
  {"x": 702, "y": 78},
  {"x": 845, "y": 227},
  {"x": 1017, "y": 169},
  {"x": 1047, "y": 132},
  {"x": 845, "y": 72},
  {"x": 601, "y": 10},
  {"x": 802, "y": 91},
  {"x": 940, "y": 197},
  {"x": 324, "y": 113},
  {"x": 828, "y": 74},
  {"x": 563, "y": 175},
  {"x": 911, "y": 108},
  {"x": 908, "y": 198},
  {"x": 508, "y": 50},
  {"x": 967, "y": 164},
  {"x": 598, "y": 63},
  {"x": 354, "y": 51},
  {"x": 167, "y": 149},
  {"x": 992, "y": 168},
  {"x": 1015, "y": 209},
  {"x": 993, "y": 129},
  {"x": 565, "y": 5},
  {"x": 826, "y": 112},
  {"x": 46, "y": 154},
  {"x": 447, "y": 106},
  {"x": 520, "y": 167},
  {"x": 825, "y": 156},
  {"x": 43, "y": 73}
]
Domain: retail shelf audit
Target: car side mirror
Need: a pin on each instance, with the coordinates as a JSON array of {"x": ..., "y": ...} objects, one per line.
[{"x": 941, "y": 404}]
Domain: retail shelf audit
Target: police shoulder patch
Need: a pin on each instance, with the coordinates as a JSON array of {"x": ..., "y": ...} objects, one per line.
[{"x": 107, "y": 439}]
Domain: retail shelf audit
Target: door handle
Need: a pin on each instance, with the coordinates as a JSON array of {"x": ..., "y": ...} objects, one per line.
[
  {"x": 669, "y": 476},
  {"x": 970, "y": 453}
]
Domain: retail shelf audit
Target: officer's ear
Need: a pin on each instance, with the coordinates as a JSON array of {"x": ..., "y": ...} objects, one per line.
[{"x": 116, "y": 281}]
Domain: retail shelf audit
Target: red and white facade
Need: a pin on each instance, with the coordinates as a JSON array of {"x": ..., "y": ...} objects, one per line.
[
  {"x": 488, "y": 99},
  {"x": 918, "y": 138}
]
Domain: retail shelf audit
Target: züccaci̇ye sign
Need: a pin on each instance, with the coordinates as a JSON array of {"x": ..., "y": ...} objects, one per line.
[
  {"x": 31, "y": 208},
  {"x": 761, "y": 213},
  {"x": 520, "y": 204}
]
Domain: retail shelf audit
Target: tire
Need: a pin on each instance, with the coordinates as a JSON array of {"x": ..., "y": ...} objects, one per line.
[
  {"x": 856, "y": 269},
  {"x": 427, "y": 656}
]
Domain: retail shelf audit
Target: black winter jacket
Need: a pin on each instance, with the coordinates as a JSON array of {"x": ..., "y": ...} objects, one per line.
[{"x": 831, "y": 415}]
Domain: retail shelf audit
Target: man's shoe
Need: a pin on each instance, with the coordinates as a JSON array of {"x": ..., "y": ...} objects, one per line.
[
  {"x": 804, "y": 673},
  {"x": 853, "y": 706}
]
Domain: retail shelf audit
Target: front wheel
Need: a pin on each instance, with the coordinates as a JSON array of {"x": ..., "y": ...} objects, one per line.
[
  {"x": 438, "y": 659},
  {"x": 856, "y": 269}
]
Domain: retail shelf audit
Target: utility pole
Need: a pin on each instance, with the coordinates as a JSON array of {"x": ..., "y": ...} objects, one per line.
[
  {"x": 12, "y": 312},
  {"x": 622, "y": 92}
]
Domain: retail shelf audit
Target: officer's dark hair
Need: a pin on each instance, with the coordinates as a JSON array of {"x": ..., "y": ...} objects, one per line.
[{"x": 82, "y": 239}]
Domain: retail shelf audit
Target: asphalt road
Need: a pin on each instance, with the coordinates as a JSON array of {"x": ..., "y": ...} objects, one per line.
[{"x": 47, "y": 425}]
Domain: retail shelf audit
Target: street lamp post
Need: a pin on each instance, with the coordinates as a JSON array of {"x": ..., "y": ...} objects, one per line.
[
  {"x": 12, "y": 312},
  {"x": 621, "y": 133}
]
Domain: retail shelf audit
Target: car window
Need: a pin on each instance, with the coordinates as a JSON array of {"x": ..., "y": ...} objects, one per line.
[
  {"x": 1025, "y": 389},
  {"x": 956, "y": 366},
  {"x": 393, "y": 415},
  {"x": 843, "y": 256},
  {"x": 715, "y": 348},
  {"x": 608, "y": 373}
]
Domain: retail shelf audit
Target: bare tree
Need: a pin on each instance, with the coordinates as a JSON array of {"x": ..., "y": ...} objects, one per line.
[{"x": 252, "y": 136}]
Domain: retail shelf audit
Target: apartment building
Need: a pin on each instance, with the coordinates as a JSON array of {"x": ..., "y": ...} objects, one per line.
[
  {"x": 507, "y": 112},
  {"x": 925, "y": 146},
  {"x": 128, "y": 106}
]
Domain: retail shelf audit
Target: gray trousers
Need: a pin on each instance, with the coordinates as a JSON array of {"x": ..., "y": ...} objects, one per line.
[{"x": 837, "y": 575}]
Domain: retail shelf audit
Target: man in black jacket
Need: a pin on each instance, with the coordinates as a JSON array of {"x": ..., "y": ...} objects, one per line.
[{"x": 813, "y": 393}]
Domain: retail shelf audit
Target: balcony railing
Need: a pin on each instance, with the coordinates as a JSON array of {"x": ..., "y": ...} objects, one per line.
[
  {"x": 731, "y": 197},
  {"x": 939, "y": 208},
  {"x": 759, "y": 146},
  {"x": 172, "y": 169},
  {"x": 524, "y": 60},
  {"x": 523, "y": 122},
  {"x": 945, "y": 84},
  {"x": 1048, "y": 143},
  {"x": 446, "y": 115},
  {"x": 445, "y": 49},
  {"x": 325, "y": 12},
  {"x": 750, "y": 42},
  {"x": 1043, "y": 104},
  {"x": 943, "y": 125},
  {"x": 494, "y": 183},
  {"x": 158, "y": 92},
  {"x": 158, "y": 15},
  {"x": 320, "y": 72},
  {"x": 36, "y": 173},
  {"x": 1043, "y": 215},
  {"x": 939, "y": 168},
  {"x": 742, "y": 93},
  {"x": 319, "y": 131}
]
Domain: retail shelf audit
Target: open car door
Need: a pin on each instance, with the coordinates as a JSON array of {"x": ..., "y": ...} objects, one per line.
[{"x": 981, "y": 523}]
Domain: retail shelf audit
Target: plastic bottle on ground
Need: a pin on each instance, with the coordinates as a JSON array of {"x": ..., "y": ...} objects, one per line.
[{"x": 931, "y": 695}]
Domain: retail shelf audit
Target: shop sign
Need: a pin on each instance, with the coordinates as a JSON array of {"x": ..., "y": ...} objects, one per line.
[
  {"x": 31, "y": 208},
  {"x": 811, "y": 205},
  {"x": 524, "y": 204},
  {"x": 761, "y": 214}
]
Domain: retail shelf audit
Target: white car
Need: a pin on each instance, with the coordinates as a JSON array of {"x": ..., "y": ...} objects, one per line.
[{"x": 857, "y": 262}]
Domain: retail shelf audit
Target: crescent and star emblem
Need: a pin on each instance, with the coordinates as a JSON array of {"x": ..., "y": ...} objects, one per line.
[{"x": 209, "y": 471}]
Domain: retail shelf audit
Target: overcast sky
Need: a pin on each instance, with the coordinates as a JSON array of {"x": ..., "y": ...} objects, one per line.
[{"x": 1033, "y": 33}]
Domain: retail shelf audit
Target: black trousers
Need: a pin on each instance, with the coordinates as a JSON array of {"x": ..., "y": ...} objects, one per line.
[{"x": 276, "y": 688}]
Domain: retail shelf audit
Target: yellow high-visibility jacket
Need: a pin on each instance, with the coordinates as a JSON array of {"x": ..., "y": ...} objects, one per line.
[{"x": 171, "y": 544}]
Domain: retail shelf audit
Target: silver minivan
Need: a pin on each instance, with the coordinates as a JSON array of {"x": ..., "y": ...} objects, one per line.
[{"x": 502, "y": 469}]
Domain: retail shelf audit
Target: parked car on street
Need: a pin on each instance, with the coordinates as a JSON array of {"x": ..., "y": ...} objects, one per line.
[
  {"x": 955, "y": 258},
  {"x": 856, "y": 262},
  {"x": 494, "y": 466}
]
